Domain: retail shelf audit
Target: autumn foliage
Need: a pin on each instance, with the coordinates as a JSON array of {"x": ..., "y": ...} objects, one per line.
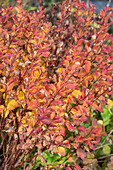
[{"x": 54, "y": 69}]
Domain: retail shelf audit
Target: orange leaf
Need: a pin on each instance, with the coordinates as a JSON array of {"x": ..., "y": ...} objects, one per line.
[
  {"x": 32, "y": 104},
  {"x": 102, "y": 13},
  {"x": 87, "y": 65},
  {"x": 76, "y": 36},
  {"x": 33, "y": 42},
  {"x": 59, "y": 139},
  {"x": 1, "y": 108},
  {"x": 61, "y": 150},
  {"x": 75, "y": 145},
  {"x": 62, "y": 131}
]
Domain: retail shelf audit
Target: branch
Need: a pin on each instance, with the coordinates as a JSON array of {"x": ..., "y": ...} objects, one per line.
[{"x": 102, "y": 157}]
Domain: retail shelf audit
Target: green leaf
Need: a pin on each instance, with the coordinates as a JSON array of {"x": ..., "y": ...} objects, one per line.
[
  {"x": 32, "y": 9},
  {"x": 106, "y": 150},
  {"x": 106, "y": 116},
  {"x": 56, "y": 157},
  {"x": 50, "y": 160},
  {"x": 72, "y": 104},
  {"x": 72, "y": 9}
]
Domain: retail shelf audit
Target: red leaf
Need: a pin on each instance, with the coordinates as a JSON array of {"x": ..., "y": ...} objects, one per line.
[
  {"x": 77, "y": 167},
  {"x": 99, "y": 109},
  {"x": 103, "y": 133},
  {"x": 88, "y": 102},
  {"x": 66, "y": 144},
  {"x": 81, "y": 19},
  {"x": 83, "y": 118},
  {"x": 80, "y": 42},
  {"x": 62, "y": 131},
  {"x": 71, "y": 86},
  {"x": 102, "y": 13},
  {"x": 9, "y": 55},
  {"x": 69, "y": 126},
  {"x": 68, "y": 168},
  {"x": 81, "y": 153},
  {"x": 59, "y": 139},
  {"x": 79, "y": 139},
  {"x": 82, "y": 129}
]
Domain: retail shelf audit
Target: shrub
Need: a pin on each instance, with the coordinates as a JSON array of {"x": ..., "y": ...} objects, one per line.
[{"x": 52, "y": 75}]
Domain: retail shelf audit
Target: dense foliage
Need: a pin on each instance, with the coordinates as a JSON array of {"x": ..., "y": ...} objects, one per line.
[{"x": 53, "y": 76}]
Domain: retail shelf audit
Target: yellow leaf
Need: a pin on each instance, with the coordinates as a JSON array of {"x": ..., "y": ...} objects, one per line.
[
  {"x": 77, "y": 93},
  {"x": 6, "y": 113},
  {"x": 21, "y": 95},
  {"x": 2, "y": 90},
  {"x": 24, "y": 90},
  {"x": 12, "y": 105},
  {"x": 110, "y": 102}
]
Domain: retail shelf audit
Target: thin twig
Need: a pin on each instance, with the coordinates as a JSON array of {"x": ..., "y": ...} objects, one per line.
[{"x": 102, "y": 157}]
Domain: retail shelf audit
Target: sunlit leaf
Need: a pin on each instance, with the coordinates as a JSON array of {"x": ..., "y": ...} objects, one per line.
[
  {"x": 6, "y": 113},
  {"x": 12, "y": 105},
  {"x": 110, "y": 103},
  {"x": 61, "y": 150}
]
